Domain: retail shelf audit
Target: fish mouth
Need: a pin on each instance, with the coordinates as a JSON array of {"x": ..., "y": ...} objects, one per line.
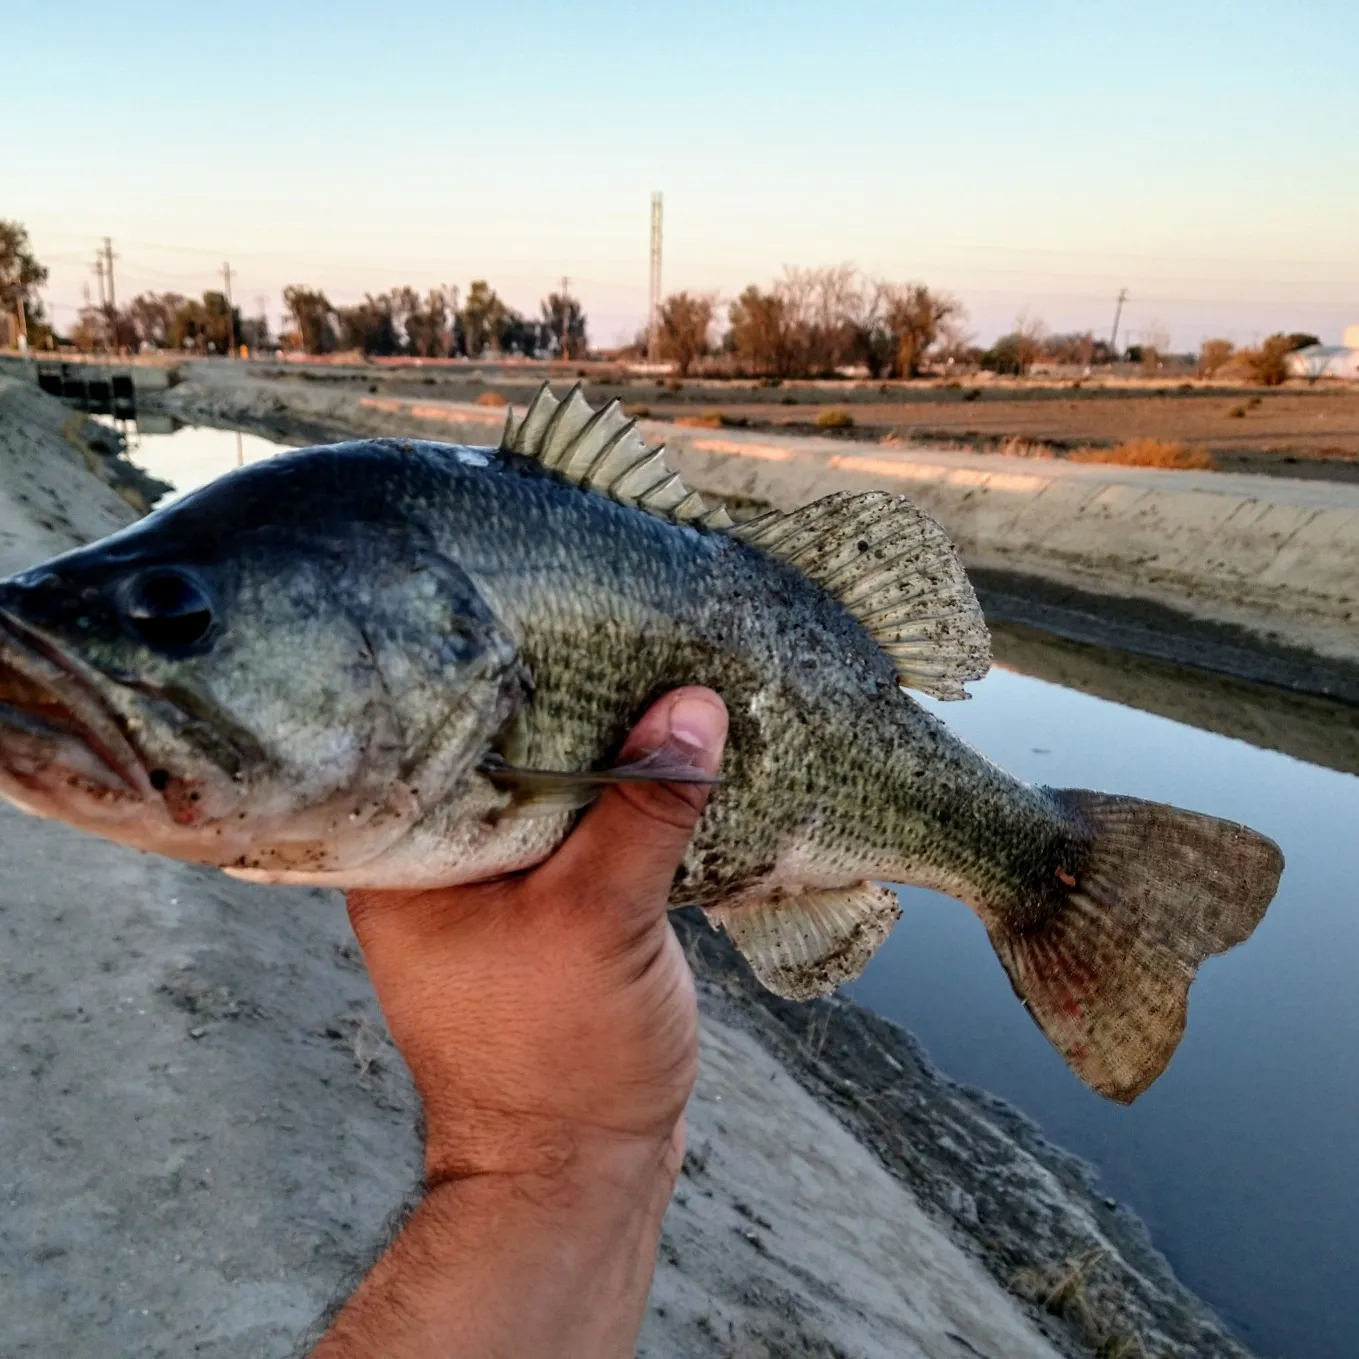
[{"x": 56, "y": 735}]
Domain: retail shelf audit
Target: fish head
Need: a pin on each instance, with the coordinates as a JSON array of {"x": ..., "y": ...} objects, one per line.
[{"x": 276, "y": 696}]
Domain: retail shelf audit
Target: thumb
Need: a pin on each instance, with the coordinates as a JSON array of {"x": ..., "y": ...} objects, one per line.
[{"x": 630, "y": 842}]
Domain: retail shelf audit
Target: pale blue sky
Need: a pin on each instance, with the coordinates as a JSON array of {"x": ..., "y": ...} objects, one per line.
[{"x": 1205, "y": 153}]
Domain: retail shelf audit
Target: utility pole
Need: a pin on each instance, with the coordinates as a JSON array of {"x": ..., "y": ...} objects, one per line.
[
  {"x": 1118, "y": 312},
  {"x": 653, "y": 341},
  {"x": 103, "y": 295},
  {"x": 231, "y": 313},
  {"x": 108, "y": 265},
  {"x": 21, "y": 335},
  {"x": 566, "y": 284}
]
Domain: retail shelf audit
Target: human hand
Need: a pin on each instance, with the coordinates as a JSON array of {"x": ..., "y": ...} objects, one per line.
[{"x": 549, "y": 1018}]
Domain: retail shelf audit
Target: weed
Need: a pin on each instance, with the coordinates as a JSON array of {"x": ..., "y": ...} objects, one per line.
[
  {"x": 834, "y": 417},
  {"x": 1147, "y": 453}
]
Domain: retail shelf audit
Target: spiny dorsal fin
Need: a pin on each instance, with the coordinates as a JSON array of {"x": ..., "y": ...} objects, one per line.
[
  {"x": 881, "y": 556},
  {"x": 602, "y": 451},
  {"x": 896, "y": 571}
]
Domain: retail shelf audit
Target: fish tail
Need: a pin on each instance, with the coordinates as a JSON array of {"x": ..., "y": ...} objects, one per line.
[{"x": 1147, "y": 893}]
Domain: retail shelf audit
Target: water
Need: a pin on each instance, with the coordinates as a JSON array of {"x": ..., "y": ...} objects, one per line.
[
  {"x": 1241, "y": 1159},
  {"x": 189, "y": 456}
]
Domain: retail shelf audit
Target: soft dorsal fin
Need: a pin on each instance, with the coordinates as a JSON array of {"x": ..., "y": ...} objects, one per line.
[
  {"x": 881, "y": 556},
  {"x": 896, "y": 571},
  {"x": 602, "y": 451}
]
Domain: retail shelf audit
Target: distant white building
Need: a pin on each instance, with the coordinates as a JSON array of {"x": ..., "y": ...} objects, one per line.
[{"x": 1328, "y": 360}]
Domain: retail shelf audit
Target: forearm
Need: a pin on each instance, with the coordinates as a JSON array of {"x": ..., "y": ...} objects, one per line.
[{"x": 497, "y": 1267}]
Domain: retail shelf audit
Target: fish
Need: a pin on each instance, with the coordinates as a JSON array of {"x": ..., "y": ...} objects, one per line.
[{"x": 394, "y": 663}]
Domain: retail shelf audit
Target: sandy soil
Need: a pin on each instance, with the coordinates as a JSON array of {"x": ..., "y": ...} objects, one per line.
[{"x": 204, "y": 1129}]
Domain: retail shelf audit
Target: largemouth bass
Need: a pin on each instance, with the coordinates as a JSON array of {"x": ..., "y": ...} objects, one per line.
[{"x": 391, "y": 663}]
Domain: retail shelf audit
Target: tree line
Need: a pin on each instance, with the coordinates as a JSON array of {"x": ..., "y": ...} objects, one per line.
[
  {"x": 435, "y": 325},
  {"x": 400, "y": 321},
  {"x": 814, "y": 323},
  {"x": 808, "y": 323}
]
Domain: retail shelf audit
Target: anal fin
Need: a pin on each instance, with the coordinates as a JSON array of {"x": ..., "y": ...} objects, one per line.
[{"x": 805, "y": 944}]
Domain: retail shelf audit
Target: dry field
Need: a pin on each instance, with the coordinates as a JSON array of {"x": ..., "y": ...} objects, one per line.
[
  {"x": 1291, "y": 432},
  {"x": 1307, "y": 431}
]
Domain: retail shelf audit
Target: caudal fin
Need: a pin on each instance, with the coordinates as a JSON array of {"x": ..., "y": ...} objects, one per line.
[{"x": 1106, "y": 971}]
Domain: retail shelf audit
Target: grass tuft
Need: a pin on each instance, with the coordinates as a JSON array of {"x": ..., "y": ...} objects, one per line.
[
  {"x": 1147, "y": 453},
  {"x": 834, "y": 417}
]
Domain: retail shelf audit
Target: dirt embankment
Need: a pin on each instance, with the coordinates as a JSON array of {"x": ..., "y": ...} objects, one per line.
[{"x": 204, "y": 1127}]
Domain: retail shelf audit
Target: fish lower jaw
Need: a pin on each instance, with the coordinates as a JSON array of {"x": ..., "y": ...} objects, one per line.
[{"x": 57, "y": 792}]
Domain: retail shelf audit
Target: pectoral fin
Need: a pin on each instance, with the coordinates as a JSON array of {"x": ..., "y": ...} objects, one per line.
[{"x": 546, "y": 791}]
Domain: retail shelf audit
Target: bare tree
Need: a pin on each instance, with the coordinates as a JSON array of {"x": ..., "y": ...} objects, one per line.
[
  {"x": 685, "y": 321},
  {"x": 312, "y": 311},
  {"x": 758, "y": 336},
  {"x": 485, "y": 318},
  {"x": 915, "y": 317},
  {"x": 819, "y": 306},
  {"x": 152, "y": 316},
  {"x": 1029, "y": 334}
]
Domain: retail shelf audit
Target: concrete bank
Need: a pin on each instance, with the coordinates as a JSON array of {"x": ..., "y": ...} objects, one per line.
[{"x": 1276, "y": 557}]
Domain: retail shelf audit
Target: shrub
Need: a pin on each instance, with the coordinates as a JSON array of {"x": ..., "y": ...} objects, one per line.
[
  {"x": 1214, "y": 356},
  {"x": 1268, "y": 365},
  {"x": 834, "y": 417},
  {"x": 1147, "y": 453}
]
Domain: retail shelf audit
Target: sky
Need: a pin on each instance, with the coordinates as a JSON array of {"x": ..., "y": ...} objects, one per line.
[{"x": 1031, "y": 159}]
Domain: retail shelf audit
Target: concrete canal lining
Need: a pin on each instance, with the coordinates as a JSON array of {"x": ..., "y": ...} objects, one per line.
[{"x": 1276, "y": 556}]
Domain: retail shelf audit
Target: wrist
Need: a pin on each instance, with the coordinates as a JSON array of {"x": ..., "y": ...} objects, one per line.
[
  {"x": 512, "y": 1263},
  {"x": 555, "y": 1167}
]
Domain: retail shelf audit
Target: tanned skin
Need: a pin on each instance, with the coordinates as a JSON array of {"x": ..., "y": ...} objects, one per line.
[{"x": 549, "y": 1022}]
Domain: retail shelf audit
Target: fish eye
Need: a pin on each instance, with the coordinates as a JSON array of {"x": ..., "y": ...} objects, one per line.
[{"x": 168, "y": 610}]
